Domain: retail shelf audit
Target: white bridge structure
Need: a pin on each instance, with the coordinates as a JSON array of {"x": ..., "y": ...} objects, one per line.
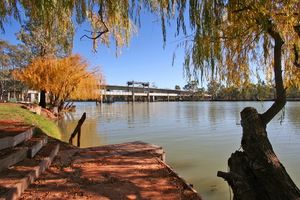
[
  {"x": 120, "y": 93},
  {"x": 131, "y": 91}
]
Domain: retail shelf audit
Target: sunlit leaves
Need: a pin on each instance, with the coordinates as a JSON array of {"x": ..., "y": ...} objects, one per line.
[
  {"x": 232, "y": 40},
  {"x": 113, "y": 16},
  {"x": 66, "y": 78}
]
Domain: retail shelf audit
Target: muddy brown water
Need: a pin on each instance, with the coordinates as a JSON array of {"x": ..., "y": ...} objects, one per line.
[{"x": 198, "y": 137}]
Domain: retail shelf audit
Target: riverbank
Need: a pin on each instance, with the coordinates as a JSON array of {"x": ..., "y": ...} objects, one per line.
[
  {"x": 17, "y": 115},
  {"x": 133, "y": 170}
]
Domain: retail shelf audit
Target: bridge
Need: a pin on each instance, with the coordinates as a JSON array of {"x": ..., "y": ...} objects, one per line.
[{"x": 141, "y": 90}]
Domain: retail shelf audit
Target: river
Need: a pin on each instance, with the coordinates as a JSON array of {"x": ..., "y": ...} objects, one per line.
[{"x": 198, "y": 137}]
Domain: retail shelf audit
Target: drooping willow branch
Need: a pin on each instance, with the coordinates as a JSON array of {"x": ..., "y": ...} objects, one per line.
[{"x": 100, "y": 33}]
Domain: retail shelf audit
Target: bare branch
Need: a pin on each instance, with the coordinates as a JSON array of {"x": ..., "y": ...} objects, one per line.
[
  {"x": 95, "y": 38},
  {"x": 101, "y": 32}
]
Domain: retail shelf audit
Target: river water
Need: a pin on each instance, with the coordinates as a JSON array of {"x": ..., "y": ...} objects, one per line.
[{"x": 198, "y": 137}]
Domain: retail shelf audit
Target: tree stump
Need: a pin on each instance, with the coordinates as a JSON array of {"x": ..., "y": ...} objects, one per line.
[{"x": 256, "y": 173}]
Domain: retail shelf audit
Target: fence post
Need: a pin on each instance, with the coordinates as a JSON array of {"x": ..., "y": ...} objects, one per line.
[{"x": 78, "y": 130}]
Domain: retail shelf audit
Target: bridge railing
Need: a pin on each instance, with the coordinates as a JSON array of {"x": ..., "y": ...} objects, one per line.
[{"x": 120, "y": 93}]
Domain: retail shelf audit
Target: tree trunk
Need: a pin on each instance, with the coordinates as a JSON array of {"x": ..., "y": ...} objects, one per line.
[
  {"x": 43, "y": 99},
  {"x": 256, "y": 173},
  {"x": 61, "y": 105},
  {"x": 54, "y": 105}
]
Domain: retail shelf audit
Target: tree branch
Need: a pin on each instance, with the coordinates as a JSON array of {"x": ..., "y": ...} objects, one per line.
[
  {"x": 95, "y": 38},
  {"x": 280, "y": 100},
  {"x": 99, "y": 33}
]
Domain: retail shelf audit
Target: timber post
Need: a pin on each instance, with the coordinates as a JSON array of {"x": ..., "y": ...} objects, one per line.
[
  {"x": 78, "y": 130},
  {"x": 101, "y": 100},
  {"x": 133, "y": 99},
  {"x": 128, "y": 99}
]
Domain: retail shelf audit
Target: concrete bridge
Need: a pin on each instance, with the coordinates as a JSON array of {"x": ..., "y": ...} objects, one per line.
[{"x": 130, "y": 92}]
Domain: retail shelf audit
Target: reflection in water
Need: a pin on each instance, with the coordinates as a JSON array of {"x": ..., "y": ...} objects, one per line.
[
  {"x": 293, "y": 117},
  {"x": 90, "y": 134},
  {"x": 198, "y": 137}
]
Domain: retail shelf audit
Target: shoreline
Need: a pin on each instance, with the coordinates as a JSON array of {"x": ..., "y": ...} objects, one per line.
[
  {"x": 202, "y": 100},
  {"x": 133, "y": 170}
]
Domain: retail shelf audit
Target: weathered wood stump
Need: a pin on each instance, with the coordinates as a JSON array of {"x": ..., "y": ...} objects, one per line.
[{"x": 256, "y": 173}]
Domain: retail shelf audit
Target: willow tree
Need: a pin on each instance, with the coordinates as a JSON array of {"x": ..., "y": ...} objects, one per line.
[
  {"x": 112, "y": 21},
  {"x": 63, "y": 78},
  {"x": 231, "y": 40},
  {"x": 47, "y": 33}
]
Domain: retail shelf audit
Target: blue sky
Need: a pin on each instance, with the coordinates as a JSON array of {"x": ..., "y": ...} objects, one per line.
[{"x": 145, "y": 60}]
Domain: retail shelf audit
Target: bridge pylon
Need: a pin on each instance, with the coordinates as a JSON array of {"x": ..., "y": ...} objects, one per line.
[{"x": 144, "y": 84}]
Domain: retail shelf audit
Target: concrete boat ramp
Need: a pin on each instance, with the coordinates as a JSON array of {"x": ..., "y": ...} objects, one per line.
[{"x": 134, "y": 170}]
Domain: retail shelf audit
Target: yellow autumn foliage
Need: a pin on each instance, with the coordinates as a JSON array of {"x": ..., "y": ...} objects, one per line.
[
  {"x": 231, "y": 40},
  {"x": 65, "y": 78}
]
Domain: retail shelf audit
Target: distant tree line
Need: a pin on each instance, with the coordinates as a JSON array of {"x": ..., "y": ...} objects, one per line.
[{"x": 252, "y": 92}]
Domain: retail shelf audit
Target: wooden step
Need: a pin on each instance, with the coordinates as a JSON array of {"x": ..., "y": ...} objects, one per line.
[
  {"x": 37, "y": 144},
  {"x": 13, "y": 140},
  {"x": 17, "y": 178},
  {"x": 14, "y": 157},
  {"x": 11, "y": 156}
]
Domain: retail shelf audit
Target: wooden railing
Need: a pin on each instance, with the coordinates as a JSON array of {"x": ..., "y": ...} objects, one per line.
[{"x": 78, "y": 130}]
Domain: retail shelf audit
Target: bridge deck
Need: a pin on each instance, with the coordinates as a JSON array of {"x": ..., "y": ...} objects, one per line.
[
  {"x": 121, "y": 93},
  {"x": 144, "y": 89}
]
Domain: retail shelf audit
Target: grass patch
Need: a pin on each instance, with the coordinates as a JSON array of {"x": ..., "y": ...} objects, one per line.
[{"x": 16, "y": 113}]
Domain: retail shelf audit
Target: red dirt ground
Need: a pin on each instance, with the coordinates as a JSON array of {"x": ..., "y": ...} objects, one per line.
[{"x": 131, "y": 177}]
